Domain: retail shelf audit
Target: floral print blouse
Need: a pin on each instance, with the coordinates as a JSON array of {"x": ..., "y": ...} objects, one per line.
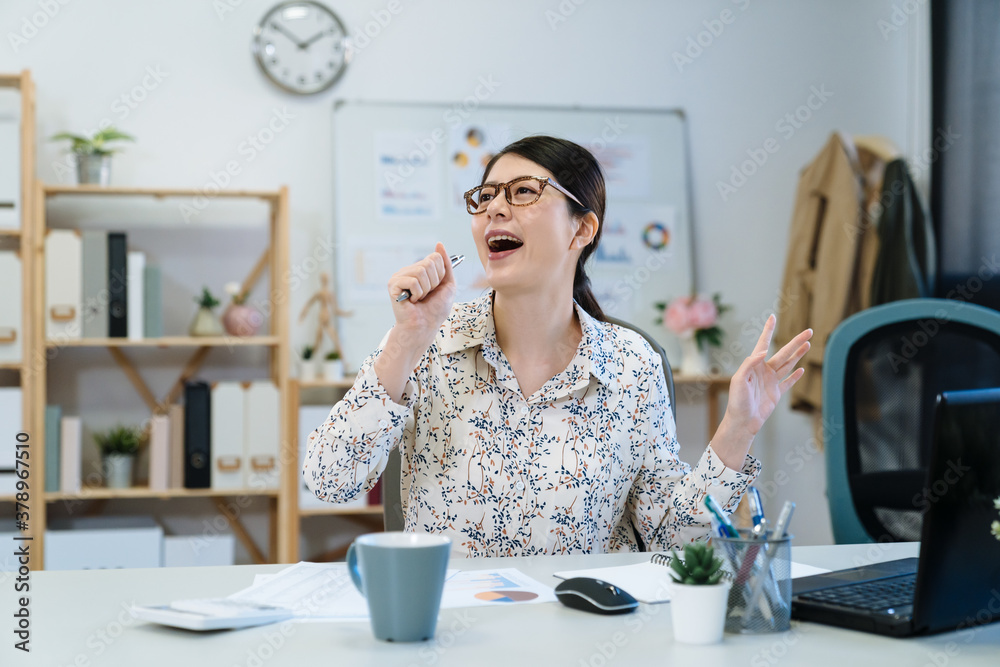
[{"x": 570, "y": 469}]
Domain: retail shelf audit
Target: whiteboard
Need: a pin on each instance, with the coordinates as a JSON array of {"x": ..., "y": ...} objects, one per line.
[{"x": 400, "y": 170}]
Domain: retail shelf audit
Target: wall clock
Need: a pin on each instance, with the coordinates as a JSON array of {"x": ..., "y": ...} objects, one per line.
[{"x": 302, "y": 47}]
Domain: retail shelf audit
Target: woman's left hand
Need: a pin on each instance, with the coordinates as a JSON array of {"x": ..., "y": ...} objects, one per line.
[{"x": 755, "y": 390}]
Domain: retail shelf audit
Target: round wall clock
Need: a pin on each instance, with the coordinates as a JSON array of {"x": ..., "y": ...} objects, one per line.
[{"x": 301, "y": 46}]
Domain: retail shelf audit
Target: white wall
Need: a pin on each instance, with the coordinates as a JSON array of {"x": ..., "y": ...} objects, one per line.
[{"x": 763, "y": 64}]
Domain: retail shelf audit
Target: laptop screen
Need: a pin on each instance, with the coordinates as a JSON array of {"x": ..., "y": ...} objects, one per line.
[{"x": 958, "y": 581}]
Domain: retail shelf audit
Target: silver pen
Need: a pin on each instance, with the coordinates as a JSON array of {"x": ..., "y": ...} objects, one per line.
[{"x": 455, "y": 261}]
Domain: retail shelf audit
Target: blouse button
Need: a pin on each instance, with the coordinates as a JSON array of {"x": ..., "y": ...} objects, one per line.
[
  {"x": 383, "y": 423},
  {"x": 524, "y": 409},
  {"x": 519, "y": 486}
]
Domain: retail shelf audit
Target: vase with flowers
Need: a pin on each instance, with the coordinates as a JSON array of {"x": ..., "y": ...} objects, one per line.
[
  {"x": 694, "y": 319},
  {"x": 239, "y": 319}
]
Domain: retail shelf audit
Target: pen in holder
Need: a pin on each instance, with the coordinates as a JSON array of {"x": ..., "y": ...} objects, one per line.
[{"x": 761, "y": 595}]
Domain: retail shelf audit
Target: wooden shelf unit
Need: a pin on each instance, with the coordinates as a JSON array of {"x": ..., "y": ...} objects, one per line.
[
  {"x": 24, "y": 237},
  {"x": 275, "y": 260}
]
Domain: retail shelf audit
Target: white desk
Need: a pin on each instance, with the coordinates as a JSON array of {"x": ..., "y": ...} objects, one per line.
[{"x": 80, "y": 618}]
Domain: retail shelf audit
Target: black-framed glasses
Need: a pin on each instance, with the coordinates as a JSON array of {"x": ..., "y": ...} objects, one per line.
[{"x": 522, "y": 191}]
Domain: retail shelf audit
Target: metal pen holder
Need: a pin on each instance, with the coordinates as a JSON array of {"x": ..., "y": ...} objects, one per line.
[{"x": 760, "y": 599}]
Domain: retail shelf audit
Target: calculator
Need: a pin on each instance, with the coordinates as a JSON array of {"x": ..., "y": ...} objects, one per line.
[{"x": 212, "y": 614}]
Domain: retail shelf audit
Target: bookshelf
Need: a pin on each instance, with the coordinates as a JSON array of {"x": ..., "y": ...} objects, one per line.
[
  {"x": 274, "y": 261},
  {"x": 371, "y": 515},
  {"x": 18, "y": 372}
]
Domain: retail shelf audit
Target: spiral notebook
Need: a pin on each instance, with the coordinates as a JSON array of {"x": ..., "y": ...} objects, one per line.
[{"x": 647, "y": 582}]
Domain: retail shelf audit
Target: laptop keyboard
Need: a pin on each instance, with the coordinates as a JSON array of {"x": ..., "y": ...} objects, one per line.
[{"x": 871, "y": 595}]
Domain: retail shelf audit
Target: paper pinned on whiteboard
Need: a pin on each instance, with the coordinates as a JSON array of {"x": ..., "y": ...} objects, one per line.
[{"x": 407, "y": 180}]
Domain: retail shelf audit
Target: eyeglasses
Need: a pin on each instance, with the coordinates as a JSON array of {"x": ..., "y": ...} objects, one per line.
[{"x": 522, "y": 191}]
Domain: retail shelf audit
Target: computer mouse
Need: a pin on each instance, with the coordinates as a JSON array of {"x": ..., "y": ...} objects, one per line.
[{"x": 596, "y": 596}]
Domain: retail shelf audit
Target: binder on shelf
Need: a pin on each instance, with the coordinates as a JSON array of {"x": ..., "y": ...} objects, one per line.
[
  {"x": 227, "y": 435},
  {"x": 153, "y": 306},
  {"x": 70, "y": 464},
  {"x": 176, "y": 476},
  {"x": 10, "y": 425},
  {"x": 197, "y": 436},
  {"x": 95, "y": 284},
  {"x": 136, "y": 269},
  {"x": 10, "y": 172},
  {"x": 11, "y": 331},
  {"x": 117, "y": 285},
  {"x": 262, "y": 434},
  {"x": 63, "y": 290},
  {"x": 159, "y": 453},
  {"x": 53, "y": 419}
]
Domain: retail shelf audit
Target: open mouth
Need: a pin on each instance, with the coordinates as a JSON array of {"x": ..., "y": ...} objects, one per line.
[{"x": 503, "y": 243}]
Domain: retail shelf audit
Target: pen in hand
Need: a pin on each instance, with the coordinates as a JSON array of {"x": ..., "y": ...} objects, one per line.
[{"x": 455, "y": 261}]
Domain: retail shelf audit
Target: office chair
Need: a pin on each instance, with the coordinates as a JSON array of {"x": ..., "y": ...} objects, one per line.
[
  {"x": 392, "y": 507},
  {"x": 883, "y": 369}
]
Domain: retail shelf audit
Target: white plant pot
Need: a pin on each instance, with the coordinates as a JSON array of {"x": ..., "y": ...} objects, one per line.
[
  {"x": 694, "y": 361},
  {"x": 333, "y": 371},
  {"x": 308, "y": 370},
  {"x": 118, "y": 470},
  {"x": 698, "y": 612}
]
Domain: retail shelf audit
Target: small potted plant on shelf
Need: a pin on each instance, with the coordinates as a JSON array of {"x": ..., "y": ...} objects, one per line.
[
  {"x": 240, "y": 319},
  {"x": 699, "y": 593},
  {"x": 205, "y": 322},
  {"x": 118, "y": 447},
  {"x": 93, "y": 156},
  {"x": 333, "y": 366},
  {"x": 307, "y": 365}
]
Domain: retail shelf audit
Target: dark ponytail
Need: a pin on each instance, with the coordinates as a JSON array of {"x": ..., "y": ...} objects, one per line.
[{"x": 577, "y": 170}]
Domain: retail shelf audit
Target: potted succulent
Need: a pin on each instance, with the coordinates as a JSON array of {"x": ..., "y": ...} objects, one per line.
[
  {"x": 307, "y": 366},
  {"x": 333, "y": 366},
  {"x": 118, "y": 447},
  {"x": 240, "y": 319},
  {"x": 205, "y": 322},
  {"x": 699, "y": 593},
  {"x": 93, "y": 156}
]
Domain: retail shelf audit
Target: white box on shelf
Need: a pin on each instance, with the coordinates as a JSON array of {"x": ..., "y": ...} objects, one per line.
[
  {"x": 228, "y": 460},
  {"x": 103, "y": 542},
  {"x": 198, "y": 550},
  {"x": 8, "y": 561},
  {"x": 310, "y": 417},
  {"x": 262, "y": 435},
  {"x": 63, "y": 284},
  {"x": 11, "y": 329},
  {"x": 10, "y": 172}
]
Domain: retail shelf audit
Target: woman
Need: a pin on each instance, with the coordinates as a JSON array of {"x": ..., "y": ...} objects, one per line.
[{"x": 526, "y": 423}]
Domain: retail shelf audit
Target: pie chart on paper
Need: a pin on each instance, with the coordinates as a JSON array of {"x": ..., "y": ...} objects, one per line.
[{"x": 506, "y": 596}]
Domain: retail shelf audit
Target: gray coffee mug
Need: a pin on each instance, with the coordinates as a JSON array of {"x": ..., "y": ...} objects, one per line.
[{"x": 401, "y": 576}]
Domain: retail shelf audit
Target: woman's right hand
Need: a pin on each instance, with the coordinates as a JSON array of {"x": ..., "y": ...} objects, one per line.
[{"x": 432, "y": 288}]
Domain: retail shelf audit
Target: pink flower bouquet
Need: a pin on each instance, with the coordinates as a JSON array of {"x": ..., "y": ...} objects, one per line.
[{"x": 689, "y": 316}]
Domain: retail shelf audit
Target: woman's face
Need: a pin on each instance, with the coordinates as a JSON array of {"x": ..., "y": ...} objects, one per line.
[{"x": 525, "y": 247}]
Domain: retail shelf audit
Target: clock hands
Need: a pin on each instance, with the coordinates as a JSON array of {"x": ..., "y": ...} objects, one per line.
[
  {"x": 280, "y": 28},
  {"x": 305, "y": 45}
]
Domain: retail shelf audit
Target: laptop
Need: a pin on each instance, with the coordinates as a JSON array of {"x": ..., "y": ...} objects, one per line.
[{"x": 955, "y": 583}]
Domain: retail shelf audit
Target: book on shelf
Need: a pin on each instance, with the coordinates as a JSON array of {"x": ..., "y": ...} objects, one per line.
[
  {"x": 136, "y": 269},
  {"x": 95, "y": 284},
  {"x": 11, "y": 331},
  {"x": 117, "y": 285},
  {"x": 53, "y": 440},
  {"x": 153, "y": 302},
  {"x": 71, "y": 462},
  {"x": 63, "y": 291},
  {"x": 197, "y": 436},
  {"x": 175, "y": 479},
  {"x": 159, "y": 453}
]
